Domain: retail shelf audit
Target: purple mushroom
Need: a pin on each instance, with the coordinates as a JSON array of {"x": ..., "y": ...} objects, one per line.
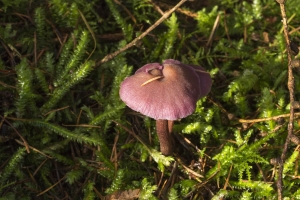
[{"x": 165, "y": 92}]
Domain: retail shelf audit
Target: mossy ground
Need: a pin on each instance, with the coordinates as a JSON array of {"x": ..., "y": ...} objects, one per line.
[{"x": 65, "y": 133}]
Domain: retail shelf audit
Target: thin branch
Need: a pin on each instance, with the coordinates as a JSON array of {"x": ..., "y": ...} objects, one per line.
[
  {"x": 267, "y": 118},
  {"x": 133, "y": 42},
  {"x": 126, "y": 10},
  {"x": 65, "y": 107},
  {"x": 227, "y": 179},
  {"x": 25, "y": 143},
  {"x": 134, "y": 135},
  {"x": 35, "y": 53},
  {"x": 156, "y": 7},
  {"x": 192, "y": 172},
  {"x": 212, "y": 33},
  {"x": 179, "y": 10},
  {"x": 34, "y": 149},
  {"x": 6, "y": 85},
  {"x": 52, "y": 186},
  {"x": 291, "y": 91},
  {"x": 92, "y": 33}
]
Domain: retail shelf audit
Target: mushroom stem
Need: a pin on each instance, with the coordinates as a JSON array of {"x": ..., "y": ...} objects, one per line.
[
  {"x": 170, "y": 126},
  {"x": 164, "y": 128}
]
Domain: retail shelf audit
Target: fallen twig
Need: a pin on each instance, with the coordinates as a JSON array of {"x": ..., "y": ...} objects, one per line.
[
  {"x": 291, "y": 91},
  {"x": 22, "y": 138},
  {"x": 267, "y": 118},
  {"x": 133, "y": 42}
]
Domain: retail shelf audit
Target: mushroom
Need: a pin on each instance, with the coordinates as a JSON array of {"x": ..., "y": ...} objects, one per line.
[{"x": 165, "y": 92}]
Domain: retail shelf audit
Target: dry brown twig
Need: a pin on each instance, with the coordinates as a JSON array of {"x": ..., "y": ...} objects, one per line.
[
  {"x": 291, "y": 91},
  {"x": 267, "y": 118},
  {"x": 126, "y": 10},
  {"x": 156, "y": 7},
  {"x": 133, "y": 42},
  {"x": 22, "y": 138},
  {"x": 179, "y": 10},
  {"x": 212, "y": 33}
]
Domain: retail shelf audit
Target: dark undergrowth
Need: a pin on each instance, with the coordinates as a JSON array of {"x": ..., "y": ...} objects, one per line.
[{"x": 65, "y": 133}]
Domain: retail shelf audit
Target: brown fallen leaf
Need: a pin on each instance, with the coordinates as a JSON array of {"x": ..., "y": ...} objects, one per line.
[{"x": 124, "y": 195}]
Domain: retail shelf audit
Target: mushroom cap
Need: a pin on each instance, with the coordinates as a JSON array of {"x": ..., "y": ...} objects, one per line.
[
  {"x": 205, "y": 79},
  {"x": 171, "y": 93}
]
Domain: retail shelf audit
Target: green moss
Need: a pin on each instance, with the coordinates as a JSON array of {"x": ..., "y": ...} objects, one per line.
[{"x": 86, "y": 144}]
